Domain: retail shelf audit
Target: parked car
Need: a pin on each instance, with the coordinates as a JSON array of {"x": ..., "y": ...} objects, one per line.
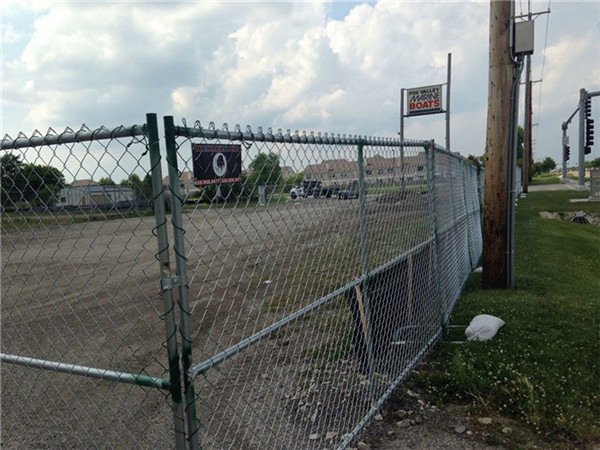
[
  {"x": 351, "y": 192},
  {"x": 313, "y": 188},
  {"x": 297, "y": 192}
]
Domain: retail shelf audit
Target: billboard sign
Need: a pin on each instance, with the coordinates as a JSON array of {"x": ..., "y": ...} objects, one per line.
[
  {"x": 424, "y": 100},
  {"x": 217, "y": 164}
]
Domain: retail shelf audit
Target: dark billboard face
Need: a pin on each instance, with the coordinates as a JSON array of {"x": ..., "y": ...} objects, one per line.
[{"x": 217, "y": 164}]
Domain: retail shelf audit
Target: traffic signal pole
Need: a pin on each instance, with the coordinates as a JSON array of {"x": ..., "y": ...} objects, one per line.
[
  {"x": 581, "y": 154},
  {"x": 566, "y": 145}
]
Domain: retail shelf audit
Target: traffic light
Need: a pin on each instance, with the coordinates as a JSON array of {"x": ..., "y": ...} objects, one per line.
[
  {"x": 588, "y": 107},
  {"x": 589, "y": 132},
  {"x": 589, "y": 126},
  {"x": 566, "y": 152}
]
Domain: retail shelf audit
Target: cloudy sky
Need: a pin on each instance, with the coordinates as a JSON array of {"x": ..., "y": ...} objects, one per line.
[{"x": 321, "y": 66}]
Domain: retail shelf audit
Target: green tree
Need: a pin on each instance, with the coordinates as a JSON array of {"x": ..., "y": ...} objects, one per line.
[
  {"x": 135, "y": 183},
  {"x": 544, "y": 166},
  {"x": 106, "y": 181},
  {"x": 265, "y": 169},
  {"x": 41, "y": 184},
  {"x": 475, "y": 160},
  {"x": 147, "y": 187},
  {"x": 548, "y": 164},
  {"x": 593, "y": 163},
  {"x": 37, "y": 185},
  {"x": 10, "y": 167},
  {"x": 131, "y": 181},
  {"x": 295, "y": 179}
]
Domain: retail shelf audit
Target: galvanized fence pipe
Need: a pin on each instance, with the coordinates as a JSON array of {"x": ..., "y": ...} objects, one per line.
[
  {"x": 434, "y": 226},
  {"x": 167, "y": 281},
  {"x": 69, "y": 136},
  {"x": 364, "y": 262},
  {"x": 182, "y": 283},
  {"x": 91, "y": 372}
]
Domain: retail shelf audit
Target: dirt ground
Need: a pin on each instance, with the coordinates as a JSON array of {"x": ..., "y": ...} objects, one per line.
[
  {"x": 88, "y": 294},
  {"x": 409, "y": 422}
]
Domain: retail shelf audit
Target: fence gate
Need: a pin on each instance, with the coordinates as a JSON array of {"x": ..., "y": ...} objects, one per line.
[{"x": 83, "y": 293}]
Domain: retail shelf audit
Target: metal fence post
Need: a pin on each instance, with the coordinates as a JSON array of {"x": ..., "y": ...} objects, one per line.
[
  {"x": 467, "y": 175},
  {"x": 430, "y": 160},
  {"x": 364, "y": 261},
  {"x": 166, "y": 279},
  {"x": 181, "y": 265}
]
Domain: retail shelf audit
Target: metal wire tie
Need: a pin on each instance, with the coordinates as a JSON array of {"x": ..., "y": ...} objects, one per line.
[{"x": 172, "y": 282}]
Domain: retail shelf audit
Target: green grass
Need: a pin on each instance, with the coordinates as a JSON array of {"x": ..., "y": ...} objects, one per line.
[
  {"x": 393, "y": 189},
  {"x": 24, "y": 221},
  {"x": 542, "y": 369},
  {"x": 546, "y": 178},
  {"x": 575, "y": 177}
]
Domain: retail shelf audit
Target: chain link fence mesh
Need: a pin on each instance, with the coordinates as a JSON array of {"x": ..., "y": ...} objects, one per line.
[
  {"x": 305, "y": 291},
  {"x": 79, "y": 288},
  {"x": 333, "y": 278}
]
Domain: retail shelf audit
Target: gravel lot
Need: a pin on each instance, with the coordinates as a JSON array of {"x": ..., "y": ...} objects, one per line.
[{"x": 87, "y": 293}]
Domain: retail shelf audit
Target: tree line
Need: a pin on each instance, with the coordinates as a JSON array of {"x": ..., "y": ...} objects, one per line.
[
  {"x": 539, "y": 167},
  {"x": 32, "y": 185},
  {"x": 38, "y": 186}
]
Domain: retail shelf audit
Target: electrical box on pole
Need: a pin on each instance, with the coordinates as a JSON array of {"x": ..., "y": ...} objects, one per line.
[{"x": 524, "y": 32}]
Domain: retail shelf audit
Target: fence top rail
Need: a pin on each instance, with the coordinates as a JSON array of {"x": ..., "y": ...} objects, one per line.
[
  {"x": 84, "y": 134},
  {"x": 296, "y": 137},
  {"x": 441, "y": 150}
]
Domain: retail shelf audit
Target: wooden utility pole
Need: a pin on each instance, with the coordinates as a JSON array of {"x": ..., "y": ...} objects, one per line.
[{"x": 498, "y": 145}]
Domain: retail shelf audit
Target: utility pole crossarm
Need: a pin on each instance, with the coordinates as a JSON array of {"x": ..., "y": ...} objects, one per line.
[{"x": 529, "y": 15}]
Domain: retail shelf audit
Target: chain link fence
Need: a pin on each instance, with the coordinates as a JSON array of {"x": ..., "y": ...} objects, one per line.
[
  {"x": 80, "y": 294},
  {"x": 277, "y": 309}
]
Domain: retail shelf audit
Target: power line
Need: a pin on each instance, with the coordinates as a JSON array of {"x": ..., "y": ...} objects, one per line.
[{"x": 539, "y": 108}]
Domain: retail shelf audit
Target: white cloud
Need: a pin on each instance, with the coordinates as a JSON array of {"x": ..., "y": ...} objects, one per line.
[
  {"x": 279, "y": 64},
  {"x": 9, "y": 34},
  {"x": 180, "y": 100}
]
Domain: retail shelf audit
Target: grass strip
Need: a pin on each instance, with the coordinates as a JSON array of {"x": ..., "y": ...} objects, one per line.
[{"x": 542, "y": 369}]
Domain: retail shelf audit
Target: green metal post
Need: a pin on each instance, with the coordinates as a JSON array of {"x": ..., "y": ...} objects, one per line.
[
  {"x": 165, "y": 276},
  {"x": 181, "y": 263},
  {"x": 364, "y": 261}
]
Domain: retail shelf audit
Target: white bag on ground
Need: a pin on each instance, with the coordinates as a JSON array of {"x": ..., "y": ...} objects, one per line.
[{"x": 483, "y": 327}]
